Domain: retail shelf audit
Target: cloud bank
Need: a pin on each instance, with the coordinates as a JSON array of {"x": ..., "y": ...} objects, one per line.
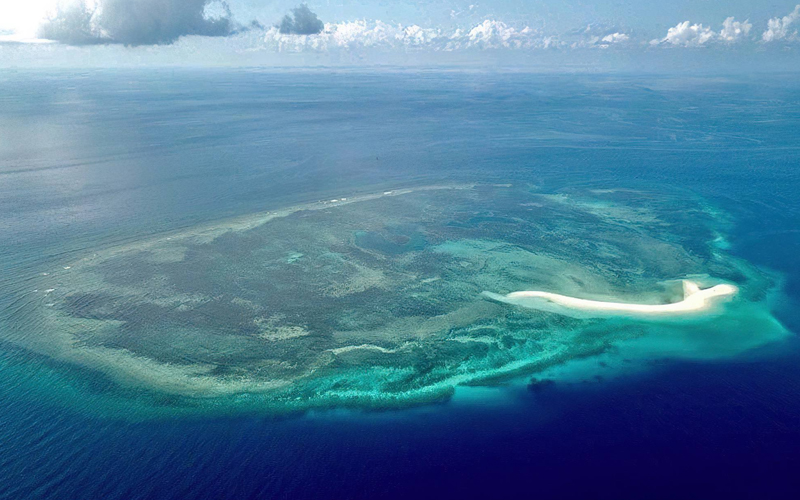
[
  {"x": 136, "y": 22},
  {"x": 488, "y": 35},
  {"x": 148, "y": 22}
]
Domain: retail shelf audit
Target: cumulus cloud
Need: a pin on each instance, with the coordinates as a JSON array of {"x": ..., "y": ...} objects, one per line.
[
  {"x": 733, "y": 30},
  {"x": 491, "y": 34},
  {"x": 595, "y": 36},
  {"x": 686, "y": 34},
  {"x": 136, "y": 22},
  {"x": 301, "y": 22},
  {"x": 615, "y": 38},
  {"x": 778, "y": 28}
]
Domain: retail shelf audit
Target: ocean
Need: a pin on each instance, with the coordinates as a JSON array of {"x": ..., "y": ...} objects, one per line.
[{"x": 100, "y": 159}]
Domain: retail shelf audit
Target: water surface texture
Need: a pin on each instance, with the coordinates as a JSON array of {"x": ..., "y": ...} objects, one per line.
[{"x": 244, "y": 284}]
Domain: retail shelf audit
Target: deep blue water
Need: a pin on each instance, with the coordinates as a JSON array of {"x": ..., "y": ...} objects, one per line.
[{"x": 99, "y": 158}]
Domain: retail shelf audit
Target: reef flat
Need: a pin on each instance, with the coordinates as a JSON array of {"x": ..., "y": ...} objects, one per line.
[{"x": 377, "y": 301}]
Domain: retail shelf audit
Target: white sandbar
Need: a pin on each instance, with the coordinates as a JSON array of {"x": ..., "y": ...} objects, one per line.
[{"x": 695, "y": 300}]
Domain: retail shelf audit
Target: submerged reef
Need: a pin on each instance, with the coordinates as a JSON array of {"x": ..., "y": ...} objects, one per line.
[{"x": 377, "y": 301}]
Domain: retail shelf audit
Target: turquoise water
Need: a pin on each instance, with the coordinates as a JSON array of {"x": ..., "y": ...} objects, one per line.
[{"x": 95, "y": 162}]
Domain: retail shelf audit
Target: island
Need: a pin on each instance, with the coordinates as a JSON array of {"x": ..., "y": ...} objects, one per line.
[{"x": 695, "y": 301}]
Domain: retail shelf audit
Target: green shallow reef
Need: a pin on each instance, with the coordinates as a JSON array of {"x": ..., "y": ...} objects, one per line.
[{"x": 375, "y": 301}]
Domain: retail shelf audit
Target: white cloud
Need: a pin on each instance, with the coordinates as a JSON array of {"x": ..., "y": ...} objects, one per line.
[
  {"x": 733, "y": 31},
  {"x": 595, "y": 36},
  {"x": 615, "y": 38},
  {"x": 489, "y": 34},
  {"x": 687, "y": 35},
  {"x": 778, "y": 28},
  {"x": 414, "y": 35},
  {"x": 492, "y": 34},
  {"x": 352, "y": 34}
]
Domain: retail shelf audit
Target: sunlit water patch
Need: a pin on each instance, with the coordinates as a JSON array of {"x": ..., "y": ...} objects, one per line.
[{"x": 379, "y": 301}]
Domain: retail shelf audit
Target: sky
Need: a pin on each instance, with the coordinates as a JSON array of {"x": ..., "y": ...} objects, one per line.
[{"x": 571, "y": 33}]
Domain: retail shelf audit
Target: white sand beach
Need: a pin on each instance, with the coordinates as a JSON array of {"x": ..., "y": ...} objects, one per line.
[{"x": 695, "y": 300}]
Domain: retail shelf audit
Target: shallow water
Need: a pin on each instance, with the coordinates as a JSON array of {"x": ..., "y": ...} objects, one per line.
[
  {"x": 296, "y": 308},
  {"x": 679, "y": 171}
]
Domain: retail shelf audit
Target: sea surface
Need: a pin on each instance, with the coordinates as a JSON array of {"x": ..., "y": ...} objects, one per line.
[{"x": 95, "y": 159}]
